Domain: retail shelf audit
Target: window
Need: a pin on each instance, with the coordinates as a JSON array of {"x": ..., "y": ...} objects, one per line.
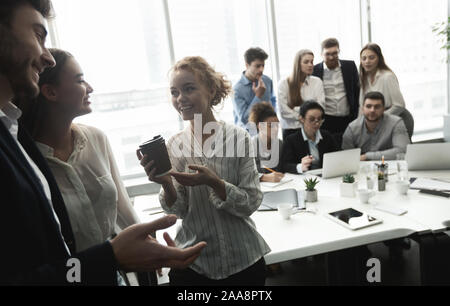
[
  {"x": 123, "y": 50},
  {"x": 304, "y": 24},
  {"x": 403, "y": 29},
  {"x": 220, "y": 31}
]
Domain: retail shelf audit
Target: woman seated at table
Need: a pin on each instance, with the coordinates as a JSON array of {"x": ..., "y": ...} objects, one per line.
[
  {"x": 300, "y": 86},
  {"x": 267, "y": 145},
  {"x": 304, "y": 150}
]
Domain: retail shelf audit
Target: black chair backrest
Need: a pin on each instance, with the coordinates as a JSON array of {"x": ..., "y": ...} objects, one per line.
[{"x": 409, "y": 122}]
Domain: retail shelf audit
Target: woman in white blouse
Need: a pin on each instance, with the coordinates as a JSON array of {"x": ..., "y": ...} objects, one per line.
[
  {"x": 300, "y": 86},
  {"x": 213, "y": 186},
  {"x": 375, "y": 75},
  {"x": 79, "y": 156}
]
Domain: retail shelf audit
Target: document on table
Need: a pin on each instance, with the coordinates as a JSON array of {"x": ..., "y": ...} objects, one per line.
[
  {"x": 284, "y": 180},
  {"x": 271, "y": 199},
  {"x": 430, "y": 184}
]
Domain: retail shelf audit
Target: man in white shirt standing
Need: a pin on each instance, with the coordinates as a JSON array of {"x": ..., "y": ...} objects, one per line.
[
  {"x": 341, "y": 84},
  {"x": 37, "y": 240}
]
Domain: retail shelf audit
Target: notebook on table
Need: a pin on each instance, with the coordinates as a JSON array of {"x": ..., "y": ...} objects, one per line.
[
  {"x": 272, "y": 199},
  {"x": 283, "y": 181}
]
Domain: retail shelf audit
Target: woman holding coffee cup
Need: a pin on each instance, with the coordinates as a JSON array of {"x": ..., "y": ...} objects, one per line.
[
  {"x": 214, "y": 184},
  {"x": 79, "y": 156}
]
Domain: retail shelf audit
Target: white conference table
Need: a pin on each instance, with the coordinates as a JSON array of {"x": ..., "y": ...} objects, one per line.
[{"x": 307, "y": 234}]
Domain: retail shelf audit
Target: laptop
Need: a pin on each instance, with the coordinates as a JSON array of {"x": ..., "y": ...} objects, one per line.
[
  {"x": 339, "y": 163},
  {"x": 428, "y": 156}
]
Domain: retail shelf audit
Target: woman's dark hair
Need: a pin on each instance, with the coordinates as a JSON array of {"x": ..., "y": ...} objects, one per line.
[
  {"x": 381, "y": 62},
  {"x": 7, "y": 8},
  {"x": 52, "y": 75},
  {"x": 253, "y": 54},
  {"x": 35, "y": 112},
  {"x": 309, "y": 105},
  {"x": 260, "y": 112}
]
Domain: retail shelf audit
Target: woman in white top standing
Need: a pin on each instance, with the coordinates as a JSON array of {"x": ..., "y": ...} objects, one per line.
[
  {"x": 213, "y": 186},
  {"x": 79, "y": 156},
  {"x": 300, "y": 86},
  {"x": 375, "y": 75}
]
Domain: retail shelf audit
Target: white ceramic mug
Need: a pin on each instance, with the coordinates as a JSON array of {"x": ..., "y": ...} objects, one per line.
[
  {"x": 285, "y": 210},
  {"x": 402, "y": 187},
  {"x": 364, "y": 195}
]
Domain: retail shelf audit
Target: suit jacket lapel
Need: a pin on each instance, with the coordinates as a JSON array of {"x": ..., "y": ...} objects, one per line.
[
  {"x": 10, "y": 147},
  {"x": 346, "y": 78},
  {"x": 57, "y": 200},
  {"x": 320, "y": 71}
]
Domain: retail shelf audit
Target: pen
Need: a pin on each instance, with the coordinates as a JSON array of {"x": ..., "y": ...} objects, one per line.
[
  {"x": 156, "y": 213},
  {"x": 271, "y": 170}
]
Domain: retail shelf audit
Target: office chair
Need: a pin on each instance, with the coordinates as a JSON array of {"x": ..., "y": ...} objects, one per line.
[{"x": 409, "y": 122}]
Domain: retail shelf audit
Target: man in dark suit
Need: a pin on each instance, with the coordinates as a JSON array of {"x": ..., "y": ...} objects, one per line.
[
  {"x": 37, "y": 239},
  {"x": 341, "y": 84}
]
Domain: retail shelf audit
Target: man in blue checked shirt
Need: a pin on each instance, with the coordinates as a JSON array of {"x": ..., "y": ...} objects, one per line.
[{"x": 253, "y": 87}]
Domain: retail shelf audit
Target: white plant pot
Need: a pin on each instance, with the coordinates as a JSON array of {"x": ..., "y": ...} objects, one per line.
[
  {"x": 311, "y": 196},
  {"x": 348, "y": 190}
]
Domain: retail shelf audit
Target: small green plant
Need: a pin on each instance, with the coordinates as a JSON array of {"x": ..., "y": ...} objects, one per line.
[
  {"x": 348, "y": 178},
  {"x": 311, "y": 184},
  {"x": 442, "y": 31}
]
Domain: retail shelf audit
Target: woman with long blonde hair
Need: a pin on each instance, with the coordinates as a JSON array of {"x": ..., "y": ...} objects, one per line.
[{"x": 300, "y": 86}]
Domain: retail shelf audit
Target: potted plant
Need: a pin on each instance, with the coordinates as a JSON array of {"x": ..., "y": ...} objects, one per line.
[
  {"x": 381, "y": 182},
  {"x": 348, "y": 186},
  {"x": 442, "y": 31},
  {"x": 311, "y": 192}
]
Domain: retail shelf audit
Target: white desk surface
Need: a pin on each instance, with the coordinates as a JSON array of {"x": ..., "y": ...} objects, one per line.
[{"x": 306, "y": 234}]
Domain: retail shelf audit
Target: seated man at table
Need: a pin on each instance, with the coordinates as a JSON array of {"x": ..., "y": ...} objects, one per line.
[
  {"x": 304, "y": 150},
  {"x": 376, "y": 133}
]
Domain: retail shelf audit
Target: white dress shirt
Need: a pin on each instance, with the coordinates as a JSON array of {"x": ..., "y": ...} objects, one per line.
[
  {"x": 10, "y": 115},
  {"x": 234, "y": 244},
  {"x": 336, "y": 103},
  {"x": 91, "y": 187},
  {"x": 387, "y": 83},
  {"x": 312, "y": 89}
]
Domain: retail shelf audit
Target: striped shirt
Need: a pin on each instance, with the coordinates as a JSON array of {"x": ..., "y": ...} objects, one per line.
[{"x": 233, "y": 241}]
